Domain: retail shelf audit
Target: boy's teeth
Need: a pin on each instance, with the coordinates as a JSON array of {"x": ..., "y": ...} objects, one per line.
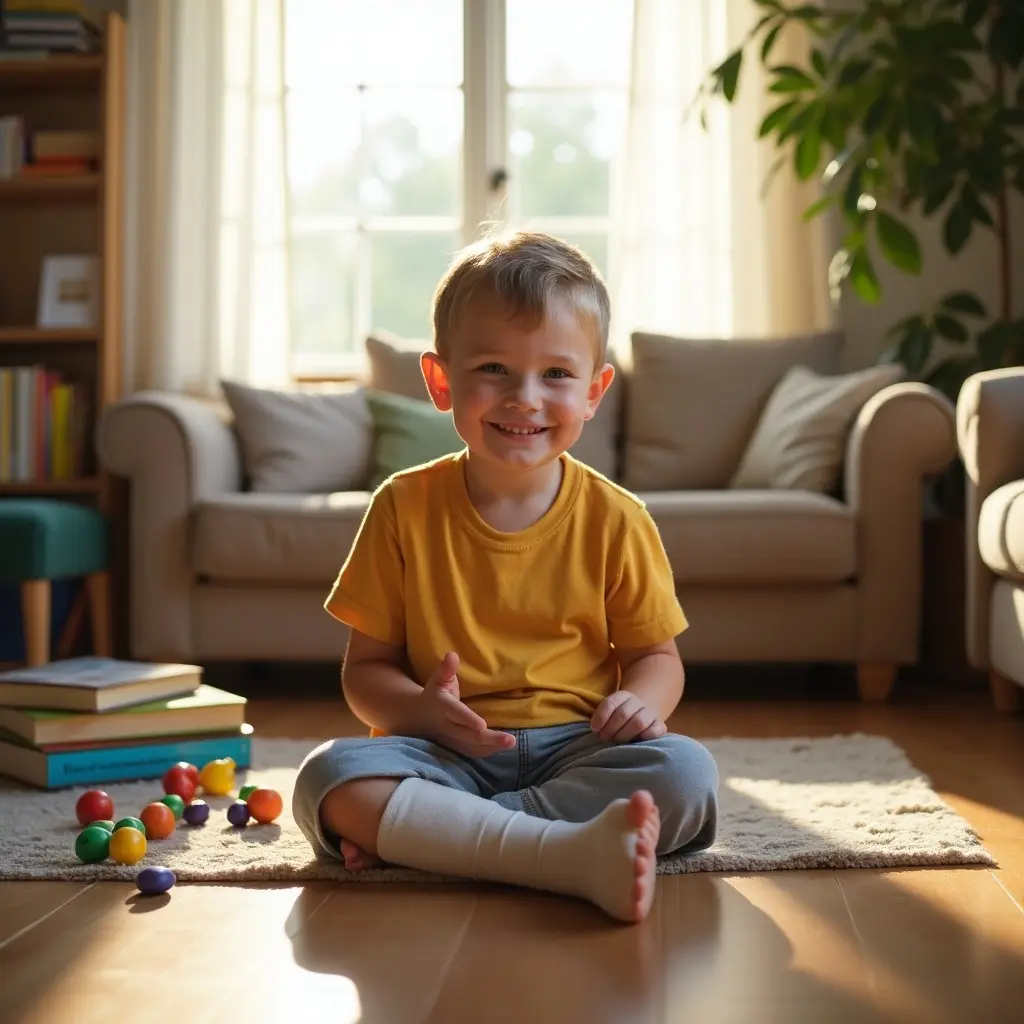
[{"x": 520, "y": 430}]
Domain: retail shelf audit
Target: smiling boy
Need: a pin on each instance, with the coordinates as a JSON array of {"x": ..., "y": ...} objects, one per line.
[{"x": 512, "y": 621}]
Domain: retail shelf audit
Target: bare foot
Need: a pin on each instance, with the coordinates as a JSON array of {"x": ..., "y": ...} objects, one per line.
[
  {"x": 642, "y": 814},
  {"x": 356, "y": 858}
]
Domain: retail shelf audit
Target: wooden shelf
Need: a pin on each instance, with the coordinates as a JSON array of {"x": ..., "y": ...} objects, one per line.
[
  {"x": 47, "y": 335},
  {"x": 60, "y": 187},
  {"x": 50, "y": 74},
  {"x": 83, "y": 485}
]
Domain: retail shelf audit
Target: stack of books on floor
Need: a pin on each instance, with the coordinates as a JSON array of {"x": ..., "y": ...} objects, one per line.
[{"x": 86, "y": 721}]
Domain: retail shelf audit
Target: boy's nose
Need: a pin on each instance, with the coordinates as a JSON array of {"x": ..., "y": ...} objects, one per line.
[{"x": 525, "y": 395}]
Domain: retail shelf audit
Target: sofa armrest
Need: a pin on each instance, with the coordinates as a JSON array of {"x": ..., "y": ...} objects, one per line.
[
  {"x": 175, "y": 451},
  {"x": 904, "y": 434},
  {"x": 990, "y": 433}
]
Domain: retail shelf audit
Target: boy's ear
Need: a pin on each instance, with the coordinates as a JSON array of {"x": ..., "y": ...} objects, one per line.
[
  {"x": 436, "y": 377},
  {"x": 598, "y": 386}
]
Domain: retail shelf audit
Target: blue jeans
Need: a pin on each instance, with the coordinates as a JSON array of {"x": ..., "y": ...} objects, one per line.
[{"x": 559, "y": 772}]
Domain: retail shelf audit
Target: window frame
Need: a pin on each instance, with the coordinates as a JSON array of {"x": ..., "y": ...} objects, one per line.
[{"x": 485, "y": 155}]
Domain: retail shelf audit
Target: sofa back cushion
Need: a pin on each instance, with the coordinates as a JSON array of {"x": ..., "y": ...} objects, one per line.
[
  {"x": 694, "y": 403},
  {"x": 395, "y": 367},
  {"x": 302, "y": 442}
]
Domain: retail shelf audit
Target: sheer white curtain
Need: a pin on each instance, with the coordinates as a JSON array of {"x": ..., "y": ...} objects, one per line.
[
  {"x": 206, "y": 240},
  {"x": 697, "y": 250}
]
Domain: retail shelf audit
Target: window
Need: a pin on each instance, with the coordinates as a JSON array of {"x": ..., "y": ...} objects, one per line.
[{"x": 401, "y": 116}]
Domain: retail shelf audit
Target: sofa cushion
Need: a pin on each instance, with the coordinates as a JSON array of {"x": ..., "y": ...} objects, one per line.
[
  {"x": 408, "y": 433},
  {"x": 276, "y": 538},
  {"x": 694, "y": 403},
  {"x": 1001, "y": 531},
  {"x": 302, "y": 442},
  {"x": 800, "y": 440},
  {"x": 752, "y": 537},
  {"x": 395, "y": 367}
]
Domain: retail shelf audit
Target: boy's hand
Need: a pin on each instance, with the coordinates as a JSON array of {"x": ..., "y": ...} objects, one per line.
[
  {"x": 623, "y": 716},
  {"x": 446, "y": 720}
]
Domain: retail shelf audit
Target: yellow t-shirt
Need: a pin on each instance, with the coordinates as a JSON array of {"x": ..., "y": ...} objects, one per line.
[{"x": 532, "y": 615}]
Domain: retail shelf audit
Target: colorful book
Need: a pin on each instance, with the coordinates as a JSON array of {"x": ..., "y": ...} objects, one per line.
[
  {"x": 93, "y": 765},
  {"x": 207, "y": 710},
  {"x": 95, "y": 684}
]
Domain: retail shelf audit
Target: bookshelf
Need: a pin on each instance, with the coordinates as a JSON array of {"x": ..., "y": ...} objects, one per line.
[{"x": 74, "y": 214}]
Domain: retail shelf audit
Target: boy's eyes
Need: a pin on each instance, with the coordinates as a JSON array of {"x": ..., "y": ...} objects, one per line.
[{"x": 556, "y": 371}]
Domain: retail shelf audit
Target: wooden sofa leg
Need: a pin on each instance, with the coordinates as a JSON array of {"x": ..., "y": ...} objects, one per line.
[
  {"x": 1007, "y": 696},
  {"x": 35, "y": 613},
  {"x": 98, "y": 586},
  {"x": 875, "y": 681}
]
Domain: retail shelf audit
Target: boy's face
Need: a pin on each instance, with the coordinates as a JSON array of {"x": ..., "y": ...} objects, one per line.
[{"x": 519, "y": 392}]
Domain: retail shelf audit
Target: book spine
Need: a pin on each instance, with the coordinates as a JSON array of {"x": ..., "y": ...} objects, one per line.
[{"x": 118, "y": 764}]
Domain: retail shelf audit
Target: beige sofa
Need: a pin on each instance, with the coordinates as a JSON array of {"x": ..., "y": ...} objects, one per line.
[
  {"x": 771, "y": 571},
  {"x": 990, "y": 429}
]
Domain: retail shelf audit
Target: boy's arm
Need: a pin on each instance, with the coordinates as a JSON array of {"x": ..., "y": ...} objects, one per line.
[
  {"x": 655, "y": 674},
  {"x": 376, "y": 686}
]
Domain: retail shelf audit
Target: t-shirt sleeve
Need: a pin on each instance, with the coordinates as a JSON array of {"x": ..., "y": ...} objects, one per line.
[
  {"x": 641, "y": 604},
  {"x": 368, "y": 594}
]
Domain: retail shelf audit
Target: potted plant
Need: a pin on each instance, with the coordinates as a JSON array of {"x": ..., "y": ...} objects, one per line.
[{"x": 904, "y": 106}]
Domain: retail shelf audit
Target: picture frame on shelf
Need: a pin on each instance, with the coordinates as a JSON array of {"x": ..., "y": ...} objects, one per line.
[{"x": 69, "y": 292}]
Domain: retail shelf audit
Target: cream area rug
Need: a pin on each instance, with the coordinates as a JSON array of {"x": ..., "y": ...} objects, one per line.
[{"x": 849, "y": 801}]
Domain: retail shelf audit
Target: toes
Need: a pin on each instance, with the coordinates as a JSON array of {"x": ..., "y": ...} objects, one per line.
[{"x": 641, "y": 803}]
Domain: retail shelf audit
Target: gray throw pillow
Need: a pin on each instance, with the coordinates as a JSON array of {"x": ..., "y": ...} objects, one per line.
[{"x": 302, "y": 442}]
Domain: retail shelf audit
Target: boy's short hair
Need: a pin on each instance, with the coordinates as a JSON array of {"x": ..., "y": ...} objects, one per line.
[{"x": 525, "y": 270}]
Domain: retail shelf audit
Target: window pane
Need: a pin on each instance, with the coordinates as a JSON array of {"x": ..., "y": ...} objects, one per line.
[
  {"x": 569, "y": 42},
  {"x": 561, "y": 149},
  {"x": 323, "y": 153},
  {"x": 413, "y": 152},
  {"x": 323, "y": 297},
  {"x": 405, "y": 271},
  {"x": 372, "y": 42}
]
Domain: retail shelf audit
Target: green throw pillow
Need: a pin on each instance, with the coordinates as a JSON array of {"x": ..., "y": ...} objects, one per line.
[{"x": 408, "y": 432}]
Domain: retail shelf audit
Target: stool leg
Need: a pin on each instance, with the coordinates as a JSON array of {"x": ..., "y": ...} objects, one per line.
[
  {"x": 98, "y": 585},
  {"x": 35, "y": 611}
]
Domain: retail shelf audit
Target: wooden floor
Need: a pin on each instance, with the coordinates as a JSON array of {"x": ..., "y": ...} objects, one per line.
[{"x": 928, "y": 945}]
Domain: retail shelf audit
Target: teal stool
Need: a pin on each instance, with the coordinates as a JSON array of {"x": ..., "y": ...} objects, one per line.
[{"x": 43, "y": 540}]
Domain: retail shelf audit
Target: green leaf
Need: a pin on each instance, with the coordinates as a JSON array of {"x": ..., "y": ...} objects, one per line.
[
  {"x": 775, "y": 117},
  {"x": 853, "y": 72},
  {"x": 898, "y": 243},
  {"x": 863, "y": 277},
  {"x": 995, "y": 343},
  {"x": 808, "y": 153},
  {"x": 852, "y": 194},
  {"x": 974, "y": 11},
  {"x": 976, "y": 209},
  {"x": 957, "y": 228},
  {"x": 814, "y": 209},
  {"x": 951, "y": 328},
  {"x": 964, "y": 302},
  {"x": 791, "y": 79},
  {"x": 769, "y": 42},
  {"x": 820, "y": 63},
  {"x": 876, "y": 114},
  {"x": 729, "y": 72},
  {"x": 938, "y": 192},
  {"x": 833, "y": 130},
  {"x": 904, "y": 325},
  {"x": 915, "y": 348}
]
